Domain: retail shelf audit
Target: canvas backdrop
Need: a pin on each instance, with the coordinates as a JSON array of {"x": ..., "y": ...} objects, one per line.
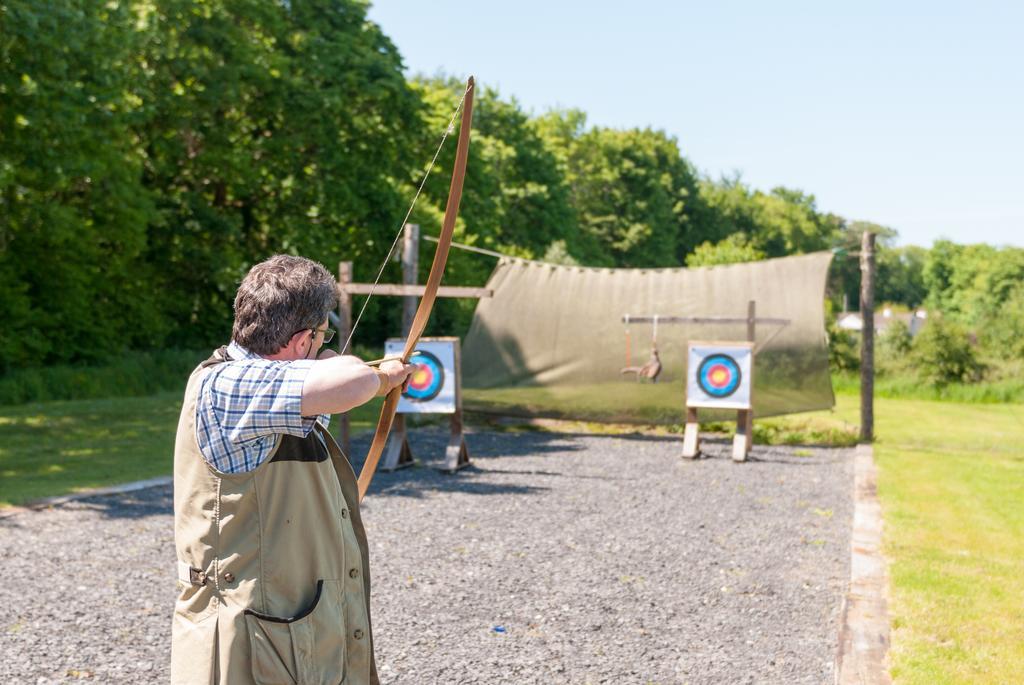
[{"x": 551, "y": 341}]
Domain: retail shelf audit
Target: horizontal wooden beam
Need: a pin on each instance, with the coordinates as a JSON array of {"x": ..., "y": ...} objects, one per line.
[
  {"x": 392, "y": 289},
  {"x": 703, "y": 319}
]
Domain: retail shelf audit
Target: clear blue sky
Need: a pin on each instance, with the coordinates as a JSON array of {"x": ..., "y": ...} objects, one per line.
[{"x": 908, "y": 114}]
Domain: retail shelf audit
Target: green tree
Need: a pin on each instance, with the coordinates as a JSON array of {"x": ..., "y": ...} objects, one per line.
[
  {"x": 73, "y": 210},
  {"x": 845, "y": 276},
  {"x": 897, "y": 340},
  {"x": 736, "y": 248},
  {"x": 631, "y": 191},
  {"x": 900, "y": 275},
  {"x": 269, "y": 127},
  {"x": 779, "y": 223},
  {"x": 843, "y": 348},
  {"x": 1002, "y": 332},
  {"x": 515, "y": 199},
  {"x": 972, "y": 283},
  {"x": 943, "y": 353}
]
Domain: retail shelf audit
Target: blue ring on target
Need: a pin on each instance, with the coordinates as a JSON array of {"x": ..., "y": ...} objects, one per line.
[
  {"x": 719, "y": 375},
  {"x": 426, "y": 381}
]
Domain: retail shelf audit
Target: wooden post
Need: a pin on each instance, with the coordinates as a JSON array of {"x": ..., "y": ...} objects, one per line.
[
  {"x": 691, "y": 436},
  {"x": 410, "y": 273},
  {"x": 867, "y": 338},
  {"x": 397, "y": 453},
  {"x": 751, "y": 320},
  {"x": 741, "y": 441},
  {"x": 344, "y": 328},
  {"x": 344, "y": 305},
  {"x": 748, "y": 416},
  {"x": 456, "y": 454}
]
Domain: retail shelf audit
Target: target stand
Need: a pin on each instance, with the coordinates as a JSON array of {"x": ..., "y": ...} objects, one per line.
[
  {"x": 434, "y": 388},
  {"x": 719, "y": 375}
]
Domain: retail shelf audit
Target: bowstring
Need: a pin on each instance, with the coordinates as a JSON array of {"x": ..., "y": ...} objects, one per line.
[{"x": 401, "y": 226}]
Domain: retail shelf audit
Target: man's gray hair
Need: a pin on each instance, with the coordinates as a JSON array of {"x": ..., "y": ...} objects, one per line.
[{"x": 278, "y": 298}]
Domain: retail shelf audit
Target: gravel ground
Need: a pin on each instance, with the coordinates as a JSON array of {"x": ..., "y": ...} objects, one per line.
[{"x": 557, "y": 558}]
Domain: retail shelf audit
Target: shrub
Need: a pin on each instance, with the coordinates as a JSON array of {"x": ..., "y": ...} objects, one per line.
[
  {"x": 1003, "y": 332},
  {"x": 843, "y": 349},
  {"x": 943, "y": 354},
  {"x": 897, "y": 340}
]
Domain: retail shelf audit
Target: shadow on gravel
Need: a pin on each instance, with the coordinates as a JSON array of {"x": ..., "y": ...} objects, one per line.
[
  {"x": 419, "y": 482},
  {"x": 428, "y": 445},
  {"x": 792, "y": 455},
  {"x": 556, "y": 474},
  {"x": 156, "y": 501},
  {"x": 10, "y": 522},
  {"x": 789, "y": 459},
  {"x": 552, "y": 434},
  {"x": 153, "y": 501}
]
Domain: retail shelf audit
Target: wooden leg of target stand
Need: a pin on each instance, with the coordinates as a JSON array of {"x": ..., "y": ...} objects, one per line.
[
  {"x": 750, "y": 430},
  {"x": 741, "y": 440},
  {"x": 456, "y": 455},
  {"x": 691, "y": 440},
  {"x": 397, "y": 454}
]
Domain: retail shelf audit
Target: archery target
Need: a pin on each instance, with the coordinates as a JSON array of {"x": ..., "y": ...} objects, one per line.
[
  {"x": 431, "y": 388},
  {"x": 428, "y": 379},
  {"x": 719, "y": 375}
]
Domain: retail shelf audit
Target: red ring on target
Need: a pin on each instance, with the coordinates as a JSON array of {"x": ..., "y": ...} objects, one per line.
[{"x": 719, "y": 375}]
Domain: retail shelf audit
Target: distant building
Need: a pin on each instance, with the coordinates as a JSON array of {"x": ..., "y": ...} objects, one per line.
[{"x": 852, "y": 321}]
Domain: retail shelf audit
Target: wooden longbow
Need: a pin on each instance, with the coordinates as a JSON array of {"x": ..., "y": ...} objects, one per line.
[{"x": 419, "y": 322}]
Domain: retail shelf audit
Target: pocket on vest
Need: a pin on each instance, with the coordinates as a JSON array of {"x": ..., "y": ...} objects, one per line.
[{"x": 308, "y": 648}]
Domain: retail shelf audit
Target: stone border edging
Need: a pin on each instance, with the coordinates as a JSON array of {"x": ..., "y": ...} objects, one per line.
[
  {"x": 861, "y": 658},
  {"x": 64, "y": 499}
]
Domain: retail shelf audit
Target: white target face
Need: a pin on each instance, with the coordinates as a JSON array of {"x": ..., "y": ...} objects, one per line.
[
  {"x": 431, "y": 388},
  {"x": 719, "y": 375}
]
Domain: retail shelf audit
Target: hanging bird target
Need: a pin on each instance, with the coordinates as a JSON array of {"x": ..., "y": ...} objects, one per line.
[
  {"x": 719, "y": 375},
  {"x": 432, "y": 386},
  {"x": 427, "y": 380}
]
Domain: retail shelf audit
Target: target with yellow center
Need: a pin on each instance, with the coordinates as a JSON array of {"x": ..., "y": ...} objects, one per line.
[
  {"x": 427, "y": 380},
  {"x": 719, "y": 375},
  {"x": 432, "y": 387}
]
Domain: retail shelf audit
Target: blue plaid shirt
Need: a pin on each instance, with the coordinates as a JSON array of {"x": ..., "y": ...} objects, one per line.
[{"x": 246, "y": 404}]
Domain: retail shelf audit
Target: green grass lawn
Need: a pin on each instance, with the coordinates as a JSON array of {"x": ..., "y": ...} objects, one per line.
[
  {"x": 54, "y": 448},
  {"x": 951, "y": 483}
]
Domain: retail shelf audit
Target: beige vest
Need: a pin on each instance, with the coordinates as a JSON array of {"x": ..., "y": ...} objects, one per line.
[{"x": 272, "y": 565}]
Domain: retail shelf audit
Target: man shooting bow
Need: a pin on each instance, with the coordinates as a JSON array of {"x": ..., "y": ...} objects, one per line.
[{"x": 272, "y": 558}]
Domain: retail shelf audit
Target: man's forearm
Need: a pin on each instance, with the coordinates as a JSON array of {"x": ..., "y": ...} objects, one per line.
[{"x": 338, "y": 385}]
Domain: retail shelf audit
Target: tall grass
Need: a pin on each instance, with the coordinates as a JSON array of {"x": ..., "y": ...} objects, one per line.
[
  {"x": 135, "y": 374},
  {"x": 910, "y": 387}
]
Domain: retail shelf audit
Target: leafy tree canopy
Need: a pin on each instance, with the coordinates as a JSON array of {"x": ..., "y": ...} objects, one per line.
[{"x": 150, "y": 153}]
